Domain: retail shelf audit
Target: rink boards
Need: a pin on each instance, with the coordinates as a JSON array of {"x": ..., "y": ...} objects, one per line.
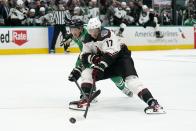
[{"x": 36, "y": 40}]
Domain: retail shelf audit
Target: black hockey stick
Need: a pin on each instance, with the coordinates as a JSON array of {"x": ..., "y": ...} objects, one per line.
[
  {"x": 88, "y": 100},
  {"x": 80, "y": 89}
]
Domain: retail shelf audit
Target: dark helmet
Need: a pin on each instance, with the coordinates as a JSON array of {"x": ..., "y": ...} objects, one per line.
[{"x": 76, "y": 23}]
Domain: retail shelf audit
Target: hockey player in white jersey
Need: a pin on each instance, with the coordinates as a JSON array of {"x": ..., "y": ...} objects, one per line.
[
  {"x": 18, "y": 14},
  {"x": 114, "y": 60}
]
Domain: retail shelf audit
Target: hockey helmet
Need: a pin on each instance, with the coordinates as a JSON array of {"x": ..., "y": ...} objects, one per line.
[
  {"x": 76, "y": 23},
  {"x": 42, "y": 9},
  {"x": 94, "y": 23},
  {"x": 19, "y": 3}
]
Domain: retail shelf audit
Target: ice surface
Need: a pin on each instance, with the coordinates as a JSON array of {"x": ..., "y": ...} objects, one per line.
[{"x": 35, "y": 92}]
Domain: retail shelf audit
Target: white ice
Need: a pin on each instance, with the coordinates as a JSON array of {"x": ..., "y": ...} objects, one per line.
[{"x": 35, "y": 92}]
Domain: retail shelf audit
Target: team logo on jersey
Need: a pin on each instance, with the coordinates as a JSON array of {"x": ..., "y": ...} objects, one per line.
[{"x": 104, "y": 33}]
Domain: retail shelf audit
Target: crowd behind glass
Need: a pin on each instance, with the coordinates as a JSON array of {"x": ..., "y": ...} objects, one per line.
[{"x": 111, "y": 12}]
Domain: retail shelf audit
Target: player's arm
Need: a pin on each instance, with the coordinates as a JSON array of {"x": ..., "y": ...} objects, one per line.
[
  {"x": 67, "y": 39},
  {"x": 87, "y": 55},
  {"x": 77, "y": 70}
]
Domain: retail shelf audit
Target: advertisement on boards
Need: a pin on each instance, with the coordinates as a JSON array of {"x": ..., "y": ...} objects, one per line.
[
  {"x": 20, "y": 38},
  {"x": 171, "y": 36}
]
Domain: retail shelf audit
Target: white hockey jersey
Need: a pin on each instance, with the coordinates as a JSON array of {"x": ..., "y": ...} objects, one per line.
[
  {"x": 120, "y": 13},
  {"x": 144, "y": 17},
  {"x": 17, "y": 14},
  {"x": 106, "y": 42}
]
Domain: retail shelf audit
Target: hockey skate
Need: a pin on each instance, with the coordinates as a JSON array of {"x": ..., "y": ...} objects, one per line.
[
  {"x": 78, "y": 105},
  {"x": 93, "y": 101},
  {"x": 83, "y": 102},
  {"x": 155, "y": 108}
]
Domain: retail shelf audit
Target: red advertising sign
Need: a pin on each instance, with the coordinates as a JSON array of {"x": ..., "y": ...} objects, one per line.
[{"x": 19, "y": 37}]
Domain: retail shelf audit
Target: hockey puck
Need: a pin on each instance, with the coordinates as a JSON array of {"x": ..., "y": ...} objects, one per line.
[{"x": 72, "y": 120}]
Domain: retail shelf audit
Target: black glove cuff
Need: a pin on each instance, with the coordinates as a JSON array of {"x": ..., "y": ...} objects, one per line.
[{"x": 101, "y": 66}]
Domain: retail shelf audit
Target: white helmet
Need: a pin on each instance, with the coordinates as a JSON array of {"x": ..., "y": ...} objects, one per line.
[
  {"x": 94, "y": 23},
  {"x": 42, "y": 9},
  {"x": 32, "y": 10},
  {"x": 19, "y": 2}
]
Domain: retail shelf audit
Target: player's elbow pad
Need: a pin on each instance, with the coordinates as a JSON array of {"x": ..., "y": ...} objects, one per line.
[{"x": 85, "y": 58}]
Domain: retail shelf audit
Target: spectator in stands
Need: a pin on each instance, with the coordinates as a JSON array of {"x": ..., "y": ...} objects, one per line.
[
  {"x": 4, "y": 11},
  {"x": 48, "y": 18},
  {"x": 93, "y": 9},
  {"x": 37, "y": 6},
  {"x": 31, "y": 20},
  {"x": 136, "y": 8},
  {"x": 78, "y": 14},
  {"x": 103, "y": 7},
  {"x": 191, "y": 20},
  {"x": 129, "y": 20},
  {"x": 119, "y": 14},
  {"x": 148, "y": 19},
  {"x": 166, "y": 18},
  {"x": 18, "y": 14},
  {"x": 1, "y": 21},
  {"x": 40, "y": 18},
  {"x": 110, "y": 12}
]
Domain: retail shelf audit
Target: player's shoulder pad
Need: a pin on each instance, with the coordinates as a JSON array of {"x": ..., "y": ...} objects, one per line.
[{"x": 105, "y": 33}]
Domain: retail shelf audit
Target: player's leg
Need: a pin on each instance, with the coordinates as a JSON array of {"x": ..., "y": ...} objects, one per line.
[
  {"x": 135, "y": 85},
  {"x": 86, "y": 86},
  {"x": 119, "y": 82}
]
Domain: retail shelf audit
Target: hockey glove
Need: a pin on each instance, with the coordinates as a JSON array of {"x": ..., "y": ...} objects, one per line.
[
  {"x": 98, "y": 71},
  {"x": 89, "y": 58},
  {"x": 66, "y": 40},
  {"x": 75, "y": 74},
  {"x": 95, "y": 59}
]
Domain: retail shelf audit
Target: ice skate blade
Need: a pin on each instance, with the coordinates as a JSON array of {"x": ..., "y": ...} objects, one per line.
[
  {"x": 77, "y": 109},
  {"x": 149, "y": 112}
]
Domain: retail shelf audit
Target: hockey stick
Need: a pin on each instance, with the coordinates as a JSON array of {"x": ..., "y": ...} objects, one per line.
[
  {"x": 80, "y": 89},
  {"x": 88, "y": 100},
  {"x": 91, "y": 96}
]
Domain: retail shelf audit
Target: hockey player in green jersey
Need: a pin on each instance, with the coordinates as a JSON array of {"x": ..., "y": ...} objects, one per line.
[{"x": 78, "y": 33}]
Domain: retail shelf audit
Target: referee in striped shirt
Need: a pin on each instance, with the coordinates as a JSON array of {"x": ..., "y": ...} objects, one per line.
[{"x": 59, "y": 19}]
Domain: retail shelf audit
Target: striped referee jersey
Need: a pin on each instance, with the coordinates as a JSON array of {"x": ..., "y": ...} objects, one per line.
[{"x": 60, "y": 16}]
